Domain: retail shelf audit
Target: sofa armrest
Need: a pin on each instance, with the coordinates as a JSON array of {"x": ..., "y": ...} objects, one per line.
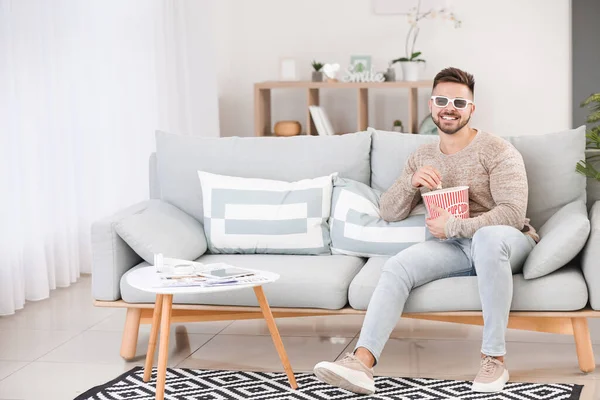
[
  {"x": 590, "y": 262},
  {"x": 111, "y": 256}
]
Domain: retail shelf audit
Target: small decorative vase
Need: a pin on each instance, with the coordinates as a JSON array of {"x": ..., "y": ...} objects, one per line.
[
  {"x": 317, "y": 76},
  {"x": 410, "y": 70},
  {"x": 287, "y": 128},
  {"x": 390, "y": 75}
]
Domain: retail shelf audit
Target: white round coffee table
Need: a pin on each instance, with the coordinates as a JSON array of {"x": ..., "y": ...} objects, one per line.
[{"x": 148, "y": 280}]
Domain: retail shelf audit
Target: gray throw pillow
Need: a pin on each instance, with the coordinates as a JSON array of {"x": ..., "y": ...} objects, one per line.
[
  {"x": 357, "y": 229},
  {"x": 562, "y": 238},
  {"x": 163, "y": 228}
]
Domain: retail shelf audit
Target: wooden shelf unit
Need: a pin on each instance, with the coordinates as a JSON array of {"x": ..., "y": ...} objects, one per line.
[{"x": 262, "y": 101}]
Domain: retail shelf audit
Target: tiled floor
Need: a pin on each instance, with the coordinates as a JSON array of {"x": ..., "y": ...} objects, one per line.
[{"x": 57, "y": 348}]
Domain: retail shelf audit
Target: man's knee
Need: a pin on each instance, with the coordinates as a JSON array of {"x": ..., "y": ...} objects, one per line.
[
  {"x": 493, "y": 236},
  {"x": 492, "y": 241},
  {"x": 398, "y": 267}
]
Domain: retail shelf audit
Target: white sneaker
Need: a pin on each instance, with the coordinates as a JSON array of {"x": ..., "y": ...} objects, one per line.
[
  {"x": 492, "y": 376},
  {"x": 349, "y": 373}
]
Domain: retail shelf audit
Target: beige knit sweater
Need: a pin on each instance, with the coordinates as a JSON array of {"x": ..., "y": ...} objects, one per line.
[{"x": 491, "y": 167}]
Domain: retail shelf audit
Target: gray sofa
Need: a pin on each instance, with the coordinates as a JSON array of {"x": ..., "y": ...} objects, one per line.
[{"x": 345, "y": 284}]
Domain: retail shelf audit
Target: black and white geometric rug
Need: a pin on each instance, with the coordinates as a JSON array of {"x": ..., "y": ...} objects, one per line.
[{"x": 187, "y": 384}]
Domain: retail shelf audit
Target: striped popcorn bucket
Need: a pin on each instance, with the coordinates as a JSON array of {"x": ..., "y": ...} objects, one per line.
[{"x": 455, "y": 200}]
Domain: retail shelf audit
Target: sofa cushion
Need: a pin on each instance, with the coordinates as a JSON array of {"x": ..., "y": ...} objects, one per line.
[
  {"x": 549, "y": 159},
  {"x": 305, "y": 281},
  {"x": 563, "y": 290},
  {"x": 162, "y": 228},
  {"x": 357, "y": 228},
  {"x": 389, "y": 153},
  {"x": 562, "y": 238},
  {"x": 251, "y": 215},
  {"x": 282, "y": 158}
]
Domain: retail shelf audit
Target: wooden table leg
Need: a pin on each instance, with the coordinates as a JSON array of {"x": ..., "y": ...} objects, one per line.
[
  {"x": 153, "y": 335},
  {"x": 163, "y": 347},
  {"x": 266, "y": 310}
]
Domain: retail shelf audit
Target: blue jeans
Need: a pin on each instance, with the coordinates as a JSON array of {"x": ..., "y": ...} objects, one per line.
[{"x": 493, "y": 254}]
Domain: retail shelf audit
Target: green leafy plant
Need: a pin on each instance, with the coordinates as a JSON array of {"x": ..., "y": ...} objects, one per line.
[
  {"x": 317, "y": 66},
  {"x": 413, "y": 57},
  {"x": 414, "y": 17},
  {"x": 587, "y": 167},
  {"x": 397, "y": 123}
]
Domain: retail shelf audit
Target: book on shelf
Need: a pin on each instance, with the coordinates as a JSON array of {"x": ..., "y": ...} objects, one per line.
[{"x": 321, "y": 120}]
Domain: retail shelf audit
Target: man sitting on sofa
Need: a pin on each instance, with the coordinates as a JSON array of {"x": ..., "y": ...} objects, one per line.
[{"x": 492, "y": 244}]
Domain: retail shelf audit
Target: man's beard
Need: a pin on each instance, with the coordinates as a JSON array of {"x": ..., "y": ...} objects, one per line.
[{"x": 453, "y": 130}]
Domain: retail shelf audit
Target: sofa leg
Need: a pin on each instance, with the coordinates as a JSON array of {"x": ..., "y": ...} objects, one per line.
[
  {"x": 583, "y": 344},
  {"x": 130, "y": 333}
]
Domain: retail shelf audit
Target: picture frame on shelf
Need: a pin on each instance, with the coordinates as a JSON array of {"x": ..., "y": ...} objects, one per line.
[
  {"x": 287, "y": 69},
  {"x": 360, "y": 63}
]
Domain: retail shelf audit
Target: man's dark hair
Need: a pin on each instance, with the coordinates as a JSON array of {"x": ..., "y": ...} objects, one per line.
[{"x": 455, "y": 75}]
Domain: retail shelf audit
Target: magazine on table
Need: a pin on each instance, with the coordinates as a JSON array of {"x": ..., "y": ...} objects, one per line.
[{"x": 184, "y": 273}]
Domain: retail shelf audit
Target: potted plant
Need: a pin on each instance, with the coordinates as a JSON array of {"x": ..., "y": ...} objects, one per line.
[
  {"x": 317, "y": 74},
  {"x": 411, "y": 61},
  {"x": 589, "y": 166},
  {"x": 410, "y": 66},
  {"x": 398, "y": 126}
]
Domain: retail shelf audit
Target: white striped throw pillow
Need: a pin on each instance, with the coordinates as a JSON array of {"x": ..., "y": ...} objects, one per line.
[
  {"x": 357, "y": 228},
  {"x": 252, "y": 215}
]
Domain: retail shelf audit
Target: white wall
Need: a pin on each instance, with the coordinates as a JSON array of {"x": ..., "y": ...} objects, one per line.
[{"x": 519, "y": 52}]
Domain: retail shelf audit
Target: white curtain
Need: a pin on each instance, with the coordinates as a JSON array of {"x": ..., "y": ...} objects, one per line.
[{"x": 82, "y": 91}]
